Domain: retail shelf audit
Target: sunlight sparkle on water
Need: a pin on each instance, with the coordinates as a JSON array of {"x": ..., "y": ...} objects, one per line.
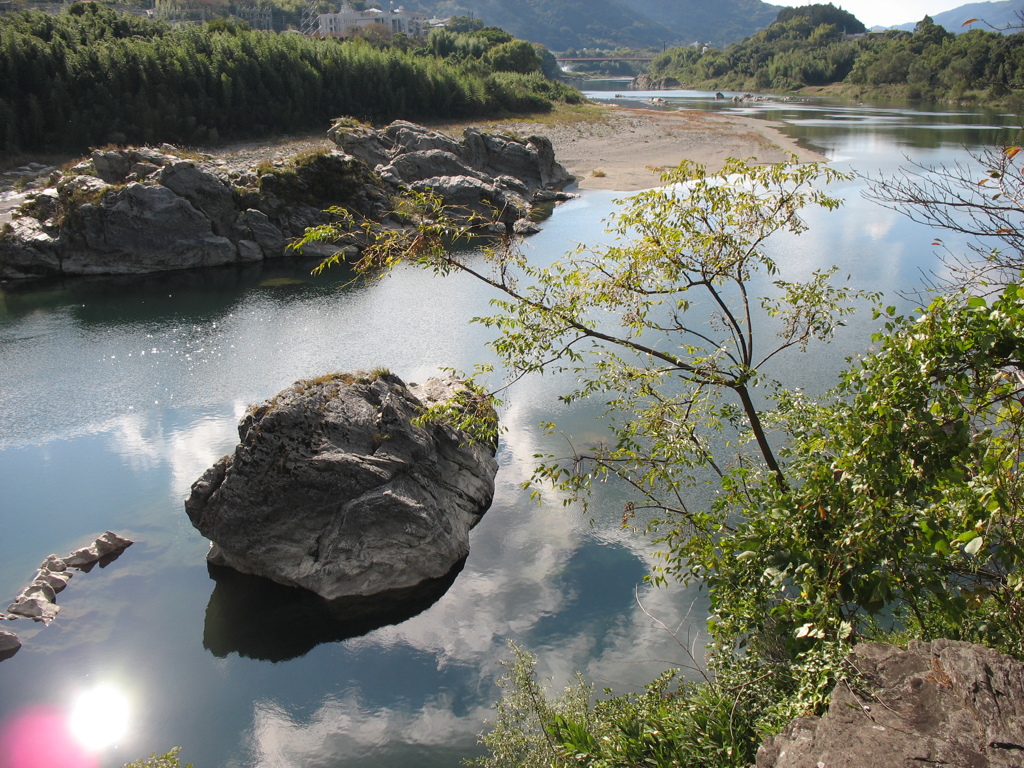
[{"x": 99, "y": 717}]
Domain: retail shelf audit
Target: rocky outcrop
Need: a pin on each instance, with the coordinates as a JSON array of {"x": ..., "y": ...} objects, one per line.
[
  {"x": 939, "y": 703},
  {"x": 333, "y": 489},
  {"x": 645, "y": 82},
  {"x": 483, "y": 176},
  {"x": 38, "y": 600},
  {"x": 137, "y": 210}
]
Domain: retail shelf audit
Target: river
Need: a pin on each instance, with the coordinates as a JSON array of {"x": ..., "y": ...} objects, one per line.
[{"x": 117, "y": 393}]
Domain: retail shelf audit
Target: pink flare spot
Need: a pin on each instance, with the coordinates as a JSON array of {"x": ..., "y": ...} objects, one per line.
[{"x": 41, "y": 738}]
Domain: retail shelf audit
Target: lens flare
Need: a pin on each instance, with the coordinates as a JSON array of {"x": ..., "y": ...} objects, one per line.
[
  {"x": 99, "y": 717},
  {"x": 40, "y": 738}
]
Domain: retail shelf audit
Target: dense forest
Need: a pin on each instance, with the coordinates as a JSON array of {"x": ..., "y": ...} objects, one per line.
[
  {"x": 91, "y": 76},
  {"x": 819, "y": 46}
]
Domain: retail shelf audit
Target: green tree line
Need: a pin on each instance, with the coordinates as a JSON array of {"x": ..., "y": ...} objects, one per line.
[
  {"x": 90, "y": 76},
  {"x": 806, "y": 47}
]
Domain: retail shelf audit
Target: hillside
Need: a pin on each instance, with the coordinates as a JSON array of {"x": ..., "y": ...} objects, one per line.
[
  {"x": 578, "y": 24},
  {"x": 998, "y": 15},
  {"x": 805, "y": 48}
]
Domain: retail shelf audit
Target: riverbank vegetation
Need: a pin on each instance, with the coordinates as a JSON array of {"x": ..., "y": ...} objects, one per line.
[
  {"x": 90, "y": 76},
  {"x": 889, "y": 508},
  {"x": 820, "y": 46}
]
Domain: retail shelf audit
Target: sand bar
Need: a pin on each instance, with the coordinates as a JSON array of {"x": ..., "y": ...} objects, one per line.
[{"x": 628, "y": 148}]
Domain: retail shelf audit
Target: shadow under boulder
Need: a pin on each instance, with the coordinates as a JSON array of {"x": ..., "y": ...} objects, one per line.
[{"x": 260, "y": 619}]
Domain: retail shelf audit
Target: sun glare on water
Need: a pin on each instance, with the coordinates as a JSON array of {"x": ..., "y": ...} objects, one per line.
[{"x": 99, "y": 717}]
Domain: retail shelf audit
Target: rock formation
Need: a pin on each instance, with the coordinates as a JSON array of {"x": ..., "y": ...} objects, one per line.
[
  {"x": 940, "y": 703},
  {"x": 333, "y": 489},
  {"x": 38, "y": 600},
  {"x": 136, "y": 210}
]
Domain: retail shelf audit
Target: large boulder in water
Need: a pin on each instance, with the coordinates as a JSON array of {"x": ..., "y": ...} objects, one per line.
[{"x": 334, "y": 489}]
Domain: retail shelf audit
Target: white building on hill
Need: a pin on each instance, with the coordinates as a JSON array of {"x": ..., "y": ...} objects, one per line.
[{"x": 346, "y": 21}]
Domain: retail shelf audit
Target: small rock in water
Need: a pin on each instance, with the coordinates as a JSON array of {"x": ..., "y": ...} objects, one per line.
[
  {"x": 36, "y": 601},
  {"x": 107, "y": 544},
  {"x": 53, "y": 563},
  {"x": 9, "y": 644},
  {"x": 37, "y": 608}
]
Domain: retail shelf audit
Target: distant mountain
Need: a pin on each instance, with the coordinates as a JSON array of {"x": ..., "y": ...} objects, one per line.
[
  {"x": 563, "y": 24},
  {"x": 719, "y": 23},
  {"x": 998, "y": 15}
]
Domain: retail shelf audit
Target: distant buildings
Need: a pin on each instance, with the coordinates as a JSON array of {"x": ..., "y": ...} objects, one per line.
[{"x": 347, "y": 21}]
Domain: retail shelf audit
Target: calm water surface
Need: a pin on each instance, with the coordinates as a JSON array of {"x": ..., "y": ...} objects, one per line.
[{"x": 116, "y": 394}]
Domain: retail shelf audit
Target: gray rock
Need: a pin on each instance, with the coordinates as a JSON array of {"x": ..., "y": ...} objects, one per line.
[
  {"x": 53, "y": 563},
  {"x": 36, "y": 601},
  {"x": 470, "y": 198},
  {"x": 143, "y": 228},
  {"x": 140, "y": 210},
  {"x": 532, "y": 161},
  {"x": 362, "y": 143},
  {"x": 256, "y": 226},
  {"x": 334, "y": 490},
  {"x": 28, "y": 251},
  {"x": 108, "y": 543},
  {"x": 9, "y": 643},
  {"x": 54, "y": 580},
  {"x": 111, "y": 166},
  {"x": 207, "y": 192},
  {"x": 249, "y": 250},
  {"x": 411, "y": 154},
  {"x": 940, "y": 703},
  {"x": 36, "y": 607},
  {"x": 144, "y": 170},
  {"x": 411, "y": 167},
  {"x": 409, "y": 137}
]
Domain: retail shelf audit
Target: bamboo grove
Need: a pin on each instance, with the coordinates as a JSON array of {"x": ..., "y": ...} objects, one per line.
[{"x": 90, "y": 76}]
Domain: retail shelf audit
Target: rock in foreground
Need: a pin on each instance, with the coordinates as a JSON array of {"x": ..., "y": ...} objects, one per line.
[
  {"x": 940, "y": 703},
  {"x": 333, "y": 489}
]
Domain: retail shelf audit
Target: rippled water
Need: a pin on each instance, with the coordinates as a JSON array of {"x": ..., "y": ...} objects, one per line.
[{"x": 116, "y": 394}]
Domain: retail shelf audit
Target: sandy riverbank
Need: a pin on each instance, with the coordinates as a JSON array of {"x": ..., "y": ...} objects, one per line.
[{"x": 626, "y": 148}]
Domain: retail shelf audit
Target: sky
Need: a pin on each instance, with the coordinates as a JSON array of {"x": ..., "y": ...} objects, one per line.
[{"x": 885, "y": 12}]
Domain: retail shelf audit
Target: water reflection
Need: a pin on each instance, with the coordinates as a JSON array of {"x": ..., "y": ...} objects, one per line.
[
  {"x": 99, "y": 717},
  {"x": 260, "y": 619},
  {"x": 75, "y": 734},
  {"x": 824, "y": 124},
  {"x": 94, "y": 434}
]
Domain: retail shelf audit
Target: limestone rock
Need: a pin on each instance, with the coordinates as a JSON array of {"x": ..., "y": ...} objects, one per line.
[
  {"x": 939, "y": 703},
  {"x": 140, "y": 210},
  {"x": 484, "y": 175},
  {"x": 9, "y": 644},
  {"x": 108, "y": 543},
  {"x": 334, "y": 490},
  {"x": 37, "y": 600},
  {"x": 143, "y": 228},
  {"x": 208, "y": 193},
  {"x": 471, "y": 198},
  {"x": 34, "y": 606},
  {"x": 256, "y": 226},
  {"x": 28, "y": 251}
]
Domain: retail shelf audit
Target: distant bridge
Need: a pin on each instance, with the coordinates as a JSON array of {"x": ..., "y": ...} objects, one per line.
[{"x": 573, "y": 59}]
